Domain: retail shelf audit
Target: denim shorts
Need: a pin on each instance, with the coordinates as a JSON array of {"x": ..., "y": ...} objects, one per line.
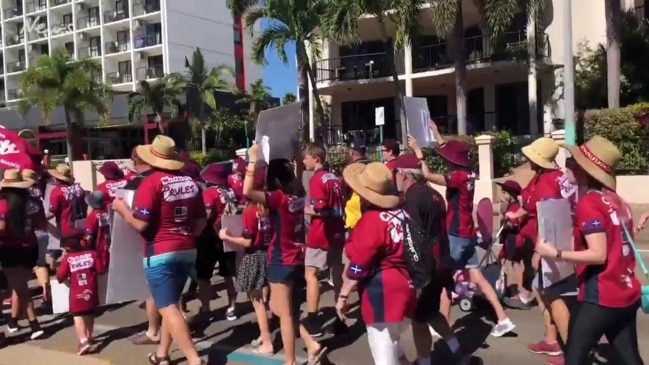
[
  {"x": 463, "y": 252},
  {"x": 285, "y": 274},
  {"x": 167, "y": 274}
]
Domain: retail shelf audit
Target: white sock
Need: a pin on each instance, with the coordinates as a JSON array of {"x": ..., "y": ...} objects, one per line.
[{"x": 523, "y": 299}]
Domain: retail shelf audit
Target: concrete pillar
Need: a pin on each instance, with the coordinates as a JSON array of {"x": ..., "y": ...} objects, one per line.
[
  {"x": 407, "y": 53},
  {"x": 484, "y": 185},
  {"x": 559, "y": 136},
  {"x": 531, "y": 77},
  {"x": 312, "y": 102}
]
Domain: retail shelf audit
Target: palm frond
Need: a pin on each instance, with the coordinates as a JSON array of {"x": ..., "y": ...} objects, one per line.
[
  {"x": 443, "y": 14},
  {"x": 275, "y": 37}
]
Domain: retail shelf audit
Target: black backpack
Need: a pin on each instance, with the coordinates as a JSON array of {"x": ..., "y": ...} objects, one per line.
[{"x": 417, "y": 252}]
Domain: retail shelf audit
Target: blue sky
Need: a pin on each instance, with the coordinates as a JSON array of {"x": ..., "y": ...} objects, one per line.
[{"x": 280, "y": 77}]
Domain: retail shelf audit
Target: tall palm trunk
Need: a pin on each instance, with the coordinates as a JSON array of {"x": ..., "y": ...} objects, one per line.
[
  {"x": 390, "y": 60},
  {"x": 203, "y": 129},
  {"x": 303, "y": 91},
  {"x": 304, "y": 57},
  {"x": 613, "y": 13},
  {"x": 68, "y": 134},
  {"x": 460, "y": 70}
]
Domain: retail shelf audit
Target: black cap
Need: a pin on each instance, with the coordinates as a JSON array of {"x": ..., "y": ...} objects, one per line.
[{"x": 358, "y": 145}]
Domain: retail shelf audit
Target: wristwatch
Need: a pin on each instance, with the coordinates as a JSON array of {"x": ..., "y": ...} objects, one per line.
[{"x": 559, "y": 254}]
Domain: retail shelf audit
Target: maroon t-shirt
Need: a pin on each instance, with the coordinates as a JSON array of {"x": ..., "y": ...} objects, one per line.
[
  {"x": 67, "y": 204},
  {"x": 326, "y": 197},
  {"x": 109, "y": 187},
  {"x": 256, "y": 227},
  {"x": 460, "y": 186},
  {"x": 98, "y": 228},
  {"x": 27, "y": 238},
  {"x": 235, "y": 182},
  {"x": 287, "y": 216},
  {"x": 169, "y": 203},
  {"x": 80, "y": 269}
]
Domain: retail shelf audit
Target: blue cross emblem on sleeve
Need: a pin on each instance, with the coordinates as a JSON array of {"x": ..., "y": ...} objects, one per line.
[
  {"x": 144, "y": 212},
  {"x": 356, "y": 269}
]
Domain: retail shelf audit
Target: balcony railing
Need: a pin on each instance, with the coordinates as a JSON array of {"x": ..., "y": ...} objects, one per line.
[
  {"x": 13, "y": 12},
  {"x": 146, "y": 7},
  {"x": 357, "y": 67},
  {"x": 147, "y": 73},
  {"x": 13, "y": 94},
  {"x": 114, "y": 78},
  {"x": 115, "y": 47},
  {"x": 148, "y": 40},
  {"x": 89, "y": 51},
  {"x": 16, "y": 66},
  {"x": 87, "y": 22},
  {"x": 640, "y": 12},
  {"x": 62, "y": 28},
  {"x": 115, "y": 15},
  {"x": 36, "y": 35},
  {"x": 35, "y": 6},
  {"x": 59, "y": 2},
  {"x": 15, "y": 40}
]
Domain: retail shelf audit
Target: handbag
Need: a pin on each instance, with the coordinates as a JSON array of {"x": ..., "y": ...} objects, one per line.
[{"x": 644, "y": 295}]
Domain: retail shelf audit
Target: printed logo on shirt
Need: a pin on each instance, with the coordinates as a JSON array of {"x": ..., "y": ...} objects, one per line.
[
  {"x": 176, "y": 188},
  {"x": 114, "y": 186},
  {"x": 85, "y": 295},
  {"x": 143, "y": 211},
  {"x": 103, "y": 219},
  {"x": 594, "y": 224},
  {"x": 568, "y": 189},
  {"x": 72, "y": 192},
  {"x": 395, "y": 226},
  {"x": 180, "y": 214},
  {"x": 295, "y": 204},
  {"x": 32, "y": 208},
  {"x": 355, "y": 270},
  {"x": 328, "y": 176},
  {"x": 81, "y": 262},
  {"x": 82, "y": 279}
]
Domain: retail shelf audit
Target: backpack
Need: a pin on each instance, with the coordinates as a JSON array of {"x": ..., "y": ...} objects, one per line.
[{"x": 417, "y": 252}]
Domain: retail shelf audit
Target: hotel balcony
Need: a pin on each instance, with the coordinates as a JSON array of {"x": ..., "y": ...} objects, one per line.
[{"x": 148, "y": 73}]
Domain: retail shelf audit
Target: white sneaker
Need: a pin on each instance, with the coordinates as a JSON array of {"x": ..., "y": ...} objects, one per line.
[
  {"x": 433, "y": 332},
  {"x": 502, "y": 328}
]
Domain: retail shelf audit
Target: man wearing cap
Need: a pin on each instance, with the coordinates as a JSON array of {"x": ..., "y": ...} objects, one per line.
[
  {"x": 169, "y": 213},
  {"x": 357, "y": 150},
  {"x": 114, "y": 180},
  {"x": 427, "y": 209},
  {"x": 459, "y": 181}
]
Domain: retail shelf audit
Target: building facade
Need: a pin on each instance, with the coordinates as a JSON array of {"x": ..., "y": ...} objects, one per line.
[
  {"x": 514, "y": 84},
  {"x": 133, "y": 40}
]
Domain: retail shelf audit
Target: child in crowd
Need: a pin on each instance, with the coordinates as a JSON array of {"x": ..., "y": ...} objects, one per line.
[
  {"x": 79, "y": 268},
  {"x": 97, "y": 227}
]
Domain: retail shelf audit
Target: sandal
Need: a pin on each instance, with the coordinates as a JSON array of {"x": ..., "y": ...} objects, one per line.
[
  {"x": 155, "y": 360},
  {"x": 142, "y": 339},
  {"x": 315, "y": 360}
]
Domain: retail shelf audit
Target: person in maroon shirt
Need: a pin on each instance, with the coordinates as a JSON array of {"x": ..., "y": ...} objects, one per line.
[
  {"x": 19, "y": 246},
  {"x": 326, "y": 235},
  {"x": 284, "y": 200},
  {"x": 459, "y": 181},
  {"x": 390, "y": 149},
  {"x": 41, "y": 270},
  {"x": 235, "y": 179},
  {"x": 609, "y": 291},
  {"x": 169, "y": 213},
  {"x": 98, "y": 228},
  {"x": 114, "y": 180},
  {"x": 79, "y": 269},
  {"x": 376, "y": 266}
]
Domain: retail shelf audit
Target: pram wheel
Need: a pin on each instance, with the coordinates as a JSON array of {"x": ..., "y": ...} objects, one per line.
[{"x": 466, "y": 304}]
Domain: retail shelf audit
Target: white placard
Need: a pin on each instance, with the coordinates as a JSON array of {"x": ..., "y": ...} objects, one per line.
[
  {"x": 282, "y": 127},
  {"x": 555, "y": 225},
  {"x": 265, "y": 148},
  {"x": 417, "y": 123},
  {"x": 234, "y": 224},
  {"x": 379, "y": 116},
  {"x": 126, "y": 279}
]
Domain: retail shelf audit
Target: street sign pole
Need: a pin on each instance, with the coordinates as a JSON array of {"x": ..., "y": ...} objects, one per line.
[
  {"x": 379, "y": 121},
  {"x": 568, "y": 75}
]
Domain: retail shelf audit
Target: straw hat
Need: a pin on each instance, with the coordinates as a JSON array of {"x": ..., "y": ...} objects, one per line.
[
  {"x": 13, "y": 179},
  {"x": 161, "y": 154},
  {"x": 598, "y": 157},
  {"x": 28, "y": 174},
  {"x": 542, "y": 152},
  {"x": 62, "y": 172},
  {"x": 373, "y": 182}
]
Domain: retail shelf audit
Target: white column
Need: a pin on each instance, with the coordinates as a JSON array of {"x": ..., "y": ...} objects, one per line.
[
  {"x": 312, "y": 102},
  {"x": 531, "y": 78},
  {"x": 407, "y": 51}
]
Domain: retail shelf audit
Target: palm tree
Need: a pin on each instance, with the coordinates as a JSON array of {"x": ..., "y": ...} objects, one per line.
[
  {"x": 342, "y": 25},
  {"x": 157, "y": 96},
  {"x": 290, "y": 21},
  {"x": 613, "y": 13},
  {"x": 257, "y": 99},
  {"x": 289, "y": 98},
  {"x": 204, "y": 83},
  {"x": 56, "y": 80},
  {"x": 497, "y": 15}
]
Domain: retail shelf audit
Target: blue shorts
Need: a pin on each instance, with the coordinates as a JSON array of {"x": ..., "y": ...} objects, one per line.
[
  {"x": 463, "y": 252},
  {"x": 167, "y": 274},
  {"x": 285, "y": 274}
]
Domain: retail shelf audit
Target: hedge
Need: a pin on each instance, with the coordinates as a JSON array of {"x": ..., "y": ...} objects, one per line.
[
  {"x": 211, "y": 156},
  {"x": 628, "y": 129}
]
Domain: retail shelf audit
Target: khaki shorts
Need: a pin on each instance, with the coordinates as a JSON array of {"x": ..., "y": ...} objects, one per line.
[{"x": 323, "y": 259}]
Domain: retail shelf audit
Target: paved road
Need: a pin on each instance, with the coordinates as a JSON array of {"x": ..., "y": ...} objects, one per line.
[{"x": 222, "y": 338}]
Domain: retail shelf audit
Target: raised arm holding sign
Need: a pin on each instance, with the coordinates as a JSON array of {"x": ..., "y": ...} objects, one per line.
[{"x": 278, "y": 131}]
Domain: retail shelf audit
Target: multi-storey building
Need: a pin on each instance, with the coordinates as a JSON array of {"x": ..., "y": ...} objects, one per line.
[
  {"x": 133, "y": 40},
  {"x": 514, "y": 84}
]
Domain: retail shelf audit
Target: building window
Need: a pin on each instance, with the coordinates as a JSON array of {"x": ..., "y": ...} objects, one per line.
[
  {"x": 237, "y": 36},
  {"x": 67, "y": 19},
  {"x": 238, "y": 66}
]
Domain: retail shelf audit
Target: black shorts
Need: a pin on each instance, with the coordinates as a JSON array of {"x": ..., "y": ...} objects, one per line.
[
  {"x": 209, "y": 251},
  {"x": 518, "y": 254},
  {"x": 87, "y": 313},
  {"x": 428, "y": 302},
  {"x": 26, "y": 257}
]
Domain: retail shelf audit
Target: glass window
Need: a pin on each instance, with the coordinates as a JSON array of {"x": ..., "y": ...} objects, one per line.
[
  {"x": 237, "y": 36},
  {"x": 238, "y": 66}
]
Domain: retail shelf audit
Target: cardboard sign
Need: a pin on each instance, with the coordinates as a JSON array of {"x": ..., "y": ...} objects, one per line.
[
  {"x": 126, "y": 279},
  {"x": 281, "y": 126},
  {"x": 234, "y": 224},
  {"x": 418, "y": 118},
  {"x": 555, "y": 225}
]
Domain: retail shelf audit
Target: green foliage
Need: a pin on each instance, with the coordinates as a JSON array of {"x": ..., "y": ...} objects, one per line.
[
  {"x": 289, "y": 98},
  {"x": 628, "y": 129},
  {"x": 156, "y": 96},
  {"x": 229, "y": 129},
  {"x": 257, "y": 98},
  {"x": 211, "y": 156}
]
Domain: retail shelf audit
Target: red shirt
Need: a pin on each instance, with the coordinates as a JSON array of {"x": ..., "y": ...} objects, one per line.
[
  {"x": 547, "y": 185},
  {"x": 170, "y": 203},
  {"x": 130, "y": 175},
  {"x": 235, "y": 182},
  {"x": 28, "y": 237},
  {"x": 109, "y": 187},
  {"x": 256, "y": 228},
  {"x": 214, "y": 199},
  {"x": 287, "y": 216},
  {"x": 98, "y": 228},
  {"x": 614, "y": 283},
  {"x": 459, "y": 197},
  {"x": 81, "y": 270},
  {"x": 326, "y": 195},
  {"x": 67, "y": 204},
  {"x": 375, "y": 251}
]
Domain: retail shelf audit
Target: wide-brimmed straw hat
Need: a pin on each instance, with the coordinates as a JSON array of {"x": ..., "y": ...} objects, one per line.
[
  {"x": 111, "y": 171},
  {"x": 28, "y": 174},
  {"x": 62, "y": 172},
  {"x": 372, "y": 182},
  {"x": 599, "y": 158},
  {"x": 542, "y": 152},
  {"x": 13, "y": 179},
  {"x": 161, "y": 154},
  {"x": 456, "y": 152}
]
